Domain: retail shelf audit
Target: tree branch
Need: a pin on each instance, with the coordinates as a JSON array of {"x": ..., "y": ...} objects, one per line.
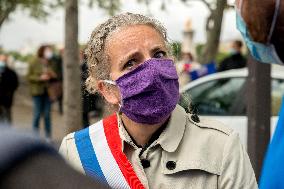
[
  {"x": 209, "y": 19},
  {"x": 5, "y": 14}
]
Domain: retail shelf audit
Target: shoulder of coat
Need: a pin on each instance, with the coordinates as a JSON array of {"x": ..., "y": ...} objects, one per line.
[
  {"x": 211, "y": 124},
  {"x": 84, "y": 133},
  {"x": 69, "y": 136}
]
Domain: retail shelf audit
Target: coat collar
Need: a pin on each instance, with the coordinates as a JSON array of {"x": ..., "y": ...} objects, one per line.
[
  {"x": 201, "y": 148},
  {"x": 171, "y": 132},
  {"x": 186, "y": 143}
]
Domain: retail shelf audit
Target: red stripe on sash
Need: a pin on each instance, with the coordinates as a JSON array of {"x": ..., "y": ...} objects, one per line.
[{"x": 114, "y": 142}]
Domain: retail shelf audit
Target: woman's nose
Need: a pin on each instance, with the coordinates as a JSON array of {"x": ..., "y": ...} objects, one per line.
[{"x": 147, "y": 57}]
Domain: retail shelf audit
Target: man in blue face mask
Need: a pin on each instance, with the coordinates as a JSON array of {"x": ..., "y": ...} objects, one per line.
[
  {"x": 235, "y": 60},
  {"x": 8, "y": 85},
  {"x": 261, "y": 24}
]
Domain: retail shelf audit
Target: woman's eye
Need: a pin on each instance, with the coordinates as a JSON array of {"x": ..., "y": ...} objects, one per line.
[
  {"x": 129, "y": 64},
  {"x": 160, "y": 54}
]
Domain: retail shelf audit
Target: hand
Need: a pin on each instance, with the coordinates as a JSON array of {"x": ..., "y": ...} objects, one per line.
[
  {"x": 52, "y": 74},
  {"x": 44, "y": 77}
]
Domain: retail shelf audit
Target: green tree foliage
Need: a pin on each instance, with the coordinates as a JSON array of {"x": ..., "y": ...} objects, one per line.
[
  {"x": 111, "y": 6},
  {"x": 176, "y": 49},
  {"x": 40, "y": 9},
  {"x": 18, "y": 56},
  {"x": 36, "y": 8}
]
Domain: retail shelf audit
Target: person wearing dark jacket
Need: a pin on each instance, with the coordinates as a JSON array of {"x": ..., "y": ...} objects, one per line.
[
  {"x": 8, "y": 85},
  {"x": 235, "y": 60},
  {"x": 262, "y": 28},
  {"x": 91, "y": 102},
  {"x": 27, "y": 162}
]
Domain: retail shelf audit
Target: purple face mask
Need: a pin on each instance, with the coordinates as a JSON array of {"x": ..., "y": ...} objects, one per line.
[{"x": 150, "y": 92}]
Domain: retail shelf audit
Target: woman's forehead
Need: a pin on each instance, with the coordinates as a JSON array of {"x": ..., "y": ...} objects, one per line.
[{"x": 130, "y": 35}]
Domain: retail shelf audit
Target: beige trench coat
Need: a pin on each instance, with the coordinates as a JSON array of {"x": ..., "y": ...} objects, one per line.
[{"x": 204, "y": 155}]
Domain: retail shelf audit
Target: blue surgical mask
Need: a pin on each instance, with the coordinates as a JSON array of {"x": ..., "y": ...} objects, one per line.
[
  {"x": 233, "y": 51},
  {"x": 265, "y": 53},
  {"x": 2, "y": 63},
  {"x": 2, "y": 66}
]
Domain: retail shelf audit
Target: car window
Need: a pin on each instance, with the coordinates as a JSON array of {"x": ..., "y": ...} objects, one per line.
[
  {"x": 225, "y": 97},
  {"x": 219, "y": 97}
]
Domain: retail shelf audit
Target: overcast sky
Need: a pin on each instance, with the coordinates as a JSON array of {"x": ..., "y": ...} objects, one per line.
[{"x": 23, "y": 32}]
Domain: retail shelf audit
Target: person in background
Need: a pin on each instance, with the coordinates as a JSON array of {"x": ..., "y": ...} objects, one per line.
[
  {"x": 40, "y": 72},
  {"x": 85, "y": 94},
  {"x": 261, "y": 24},
  {"x": 235, "y": 60},
  {"x": 8, "y": 85},
  {"x": 90, "y": 102},
  {"x": 27, "y": 162},
  {"x": 55, "y": 86},
  {"x": 58, "y": 59},
  {"x": 185, "y": 66}
]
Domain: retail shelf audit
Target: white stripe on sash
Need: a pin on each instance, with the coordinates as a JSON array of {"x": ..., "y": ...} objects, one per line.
[{"x": 105, "y": 158}]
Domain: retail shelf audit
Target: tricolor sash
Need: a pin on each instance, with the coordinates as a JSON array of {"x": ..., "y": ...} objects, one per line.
[{"x": 100, "y": 152}]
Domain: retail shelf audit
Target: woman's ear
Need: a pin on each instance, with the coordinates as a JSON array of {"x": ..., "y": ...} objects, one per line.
[{"x": 109, "y": 92}]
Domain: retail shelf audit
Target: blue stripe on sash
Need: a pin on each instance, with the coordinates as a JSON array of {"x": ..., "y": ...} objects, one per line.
[{"x": 88, "y": 156}]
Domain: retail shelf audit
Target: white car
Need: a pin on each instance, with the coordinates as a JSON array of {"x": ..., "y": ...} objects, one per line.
[{"x": 221, "y": 96}]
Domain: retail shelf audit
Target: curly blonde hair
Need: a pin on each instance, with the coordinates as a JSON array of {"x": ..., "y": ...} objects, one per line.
[{"x": 97, "y": 59}]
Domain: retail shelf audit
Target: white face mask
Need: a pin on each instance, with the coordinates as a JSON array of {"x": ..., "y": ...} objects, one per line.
[
  {"x": 48, "y": 54},
  {"x": 2, "y": 64}
]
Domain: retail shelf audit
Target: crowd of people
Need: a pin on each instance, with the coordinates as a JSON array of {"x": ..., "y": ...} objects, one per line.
[
  {"x": 45, "y": 82},
  {"x": 189, "y": 69},
  {"x": 45, "y": 79}
]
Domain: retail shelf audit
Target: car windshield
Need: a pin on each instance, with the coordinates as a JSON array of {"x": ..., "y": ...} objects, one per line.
[{"x": 226, "y": 97}]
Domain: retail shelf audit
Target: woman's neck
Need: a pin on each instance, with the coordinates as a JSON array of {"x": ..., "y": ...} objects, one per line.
[{"x": 141, "y": 133}]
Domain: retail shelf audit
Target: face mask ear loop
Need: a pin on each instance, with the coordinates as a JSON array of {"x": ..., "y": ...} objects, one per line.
[
  {"x": 109, "y": 82},
  {"x": 114, "y": 83},
  {"x": 119, "y": 109},
  {"x": 120, "y": 105},
  {"x": 239, "y": 9},
  {"x": 241, "y": 5},
  {"x": 275, "y": 16}
]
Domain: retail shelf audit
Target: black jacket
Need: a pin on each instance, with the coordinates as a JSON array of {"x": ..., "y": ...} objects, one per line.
[
  {"x": 8, "y": 85},
  {"x": 27, "y": 162},
  {"x": 234, "y": 61}
]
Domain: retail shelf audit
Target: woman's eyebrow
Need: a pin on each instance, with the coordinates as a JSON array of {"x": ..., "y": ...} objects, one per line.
[
  {"x": 135, "y": 53},
  {"x": 156, "y": 48},
  {"x": 131, "y": 55}
]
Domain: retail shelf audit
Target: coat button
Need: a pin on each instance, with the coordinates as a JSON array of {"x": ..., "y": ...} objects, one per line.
[
  {"x": 145, "y": 163},
  {"x": 195, "y": 118},
  {"x": 171, "y": 165}
]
